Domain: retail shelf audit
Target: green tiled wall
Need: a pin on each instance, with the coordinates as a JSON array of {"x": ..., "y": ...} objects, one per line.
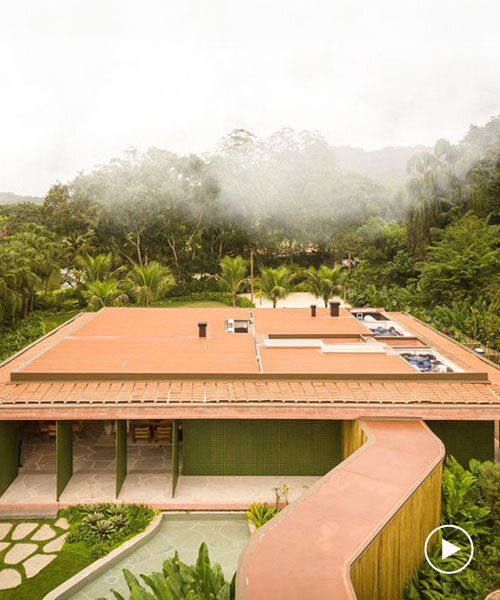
[
  {"x": 260, "y": 447},
  {"x": 9, "y": 453},
  {"x": 64, "y": 455},
  {"x": 466, "y": 439},
  {"x": 120, "y": 454}
]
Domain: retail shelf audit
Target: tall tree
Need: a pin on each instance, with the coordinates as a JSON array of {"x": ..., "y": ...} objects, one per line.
[
  {"x": 274, "y": 284},
  {"x": 232, "y": 278},
  {"x": 148, "y": 283},
  {"x": 325, "y": 281}
]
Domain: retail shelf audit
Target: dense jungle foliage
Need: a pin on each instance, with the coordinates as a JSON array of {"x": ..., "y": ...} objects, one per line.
[{"x": 155, "y": 225}]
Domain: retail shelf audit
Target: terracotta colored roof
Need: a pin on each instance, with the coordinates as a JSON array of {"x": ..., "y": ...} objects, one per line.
[
  {"x": 455, "y": 352},
  {"x": 299, "y": 321},
  {"x": 312, "y": 360},
  {"x": 154, "y": 340},
  {"x": 163, "y": 393},
  {"x": 41, "y": 345}
]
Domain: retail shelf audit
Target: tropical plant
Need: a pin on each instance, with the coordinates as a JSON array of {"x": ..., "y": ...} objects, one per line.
[
  {"x": 104, "y": 528},
  {"x": 274, "y": 284},
  {"x": 178, "y": 581},
  {"x": 96, "y": 268},
  {"x": 469, "y": 500},
  {"x": 104, "y": 293},
  {"x": 233, "y": 274},
  {"x": 324, "y": 282},
  {"x": 259, "y": 514},
  {"x": 148, "y": 283}
]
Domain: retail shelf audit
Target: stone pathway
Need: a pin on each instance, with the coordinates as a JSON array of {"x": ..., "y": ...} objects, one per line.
[{"x": 25, "y": 549}]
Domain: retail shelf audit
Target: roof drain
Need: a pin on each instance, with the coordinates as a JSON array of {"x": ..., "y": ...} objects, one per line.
[
  {"x": 313, "y": 310},
  {"x": 334, "y": 309},
  {"x": 202, "y": 329}
]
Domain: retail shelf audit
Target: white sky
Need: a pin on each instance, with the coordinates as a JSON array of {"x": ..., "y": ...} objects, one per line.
[{"x": 80, "y": 81}]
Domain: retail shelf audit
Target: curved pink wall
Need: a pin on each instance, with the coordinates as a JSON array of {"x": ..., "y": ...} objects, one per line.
[{"x": 306, "y": 551}]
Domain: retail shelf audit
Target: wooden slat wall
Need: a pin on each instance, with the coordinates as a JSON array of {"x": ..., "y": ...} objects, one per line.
[
  {"x": 353, "y": 437},
  {"x": 383, "y": 568}
]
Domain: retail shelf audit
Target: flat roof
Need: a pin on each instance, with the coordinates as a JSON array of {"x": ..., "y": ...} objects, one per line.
[
  {"x": 154, "y": 340},
  {"x": 313, "y": 360},
  {"x": 133, "y": 362},
  {"x": 299, "y": 321}
]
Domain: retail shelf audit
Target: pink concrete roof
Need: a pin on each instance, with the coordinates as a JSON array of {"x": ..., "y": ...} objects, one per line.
[
  {"x": 457, "y": 353},
  {"x": 312, "y": 360},
  {"x": 306, "y": 551},
  {"x": 154, "y": 340},
  {"x": 293, "y": 397},
  {"x": 299, "y": 321}
]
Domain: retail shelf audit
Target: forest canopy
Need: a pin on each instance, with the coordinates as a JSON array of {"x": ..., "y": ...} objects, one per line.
[{"x": 430, "y": 245}]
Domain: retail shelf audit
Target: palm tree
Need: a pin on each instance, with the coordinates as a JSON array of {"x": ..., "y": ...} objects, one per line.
[
  {"x": 234, "y": 271},
  {"x": 104, "y": 293},
  {"x": 324, "y": 282},
  {"x": 98, "y": 268},
  {"x": 148, "y": 283},
  {"x": 274, "y": 284}
]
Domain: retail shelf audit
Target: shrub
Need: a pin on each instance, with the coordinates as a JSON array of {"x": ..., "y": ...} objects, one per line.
[
  {"x": 469, "y": 500},
  {"x": 259, "y": 514},
  {"x": 102, "y": 527},
  {"x": 27, "y": 331},
  {"x": 178, "y": 581}
]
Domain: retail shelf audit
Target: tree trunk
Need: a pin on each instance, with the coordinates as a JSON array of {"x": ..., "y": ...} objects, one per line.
[{"x": 234, "y": 298}]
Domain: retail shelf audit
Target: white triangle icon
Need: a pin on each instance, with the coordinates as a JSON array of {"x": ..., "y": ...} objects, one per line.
[{"x": 448, "y": 549}]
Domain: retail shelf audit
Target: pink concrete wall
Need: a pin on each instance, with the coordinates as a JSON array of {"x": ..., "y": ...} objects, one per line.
[{"x": 307, "y": 550}]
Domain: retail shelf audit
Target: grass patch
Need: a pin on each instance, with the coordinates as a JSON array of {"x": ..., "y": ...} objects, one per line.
[
  {"x": 50, "y": 322},
  {"x": 83, "y": 546},
  {"x": 189, "y": 304}
]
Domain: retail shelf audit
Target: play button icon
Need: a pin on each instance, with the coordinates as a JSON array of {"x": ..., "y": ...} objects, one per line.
[{"x": 449, "y": 549}]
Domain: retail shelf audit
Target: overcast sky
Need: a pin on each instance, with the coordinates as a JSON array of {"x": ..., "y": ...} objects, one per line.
[{"x": 83, "y": 80}]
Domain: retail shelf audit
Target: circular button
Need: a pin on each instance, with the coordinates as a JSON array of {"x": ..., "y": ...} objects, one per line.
[{"x": 449, "y": 549}]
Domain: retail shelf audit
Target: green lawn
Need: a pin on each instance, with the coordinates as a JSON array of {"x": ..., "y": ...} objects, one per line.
[
  {"x": 50, "y": 322},
  {"x": 190, "y": 304},
  {"x": 82, "y": 548}
]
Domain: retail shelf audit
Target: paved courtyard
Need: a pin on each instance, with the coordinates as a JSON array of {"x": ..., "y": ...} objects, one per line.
[{"x": 149, "y": 476}]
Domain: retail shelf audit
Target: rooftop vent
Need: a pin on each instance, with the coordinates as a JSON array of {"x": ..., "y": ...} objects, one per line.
[
  {"x": 334, "y": 308},
  {"x": 237, "y": 326},
  {"x": 202, "y": 329},
  {"x": 313, "y": 310}
]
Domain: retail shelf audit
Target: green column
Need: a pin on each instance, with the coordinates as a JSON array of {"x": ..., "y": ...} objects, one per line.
[
  {"x": 175, "y": 455},
  {"x": 64, "y": 455},
  {"x": 9, "y": 453},
  {"x": 120, "y": 454}
]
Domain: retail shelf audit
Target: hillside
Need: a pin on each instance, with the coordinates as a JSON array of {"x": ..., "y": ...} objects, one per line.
[
  {"x": 386, "y": 166},
  {"x": 8, "y": 198}
]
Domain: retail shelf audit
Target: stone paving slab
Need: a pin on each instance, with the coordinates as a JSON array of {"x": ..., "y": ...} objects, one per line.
[
  {"x": 9, "y": 579},
  {"x": 4, "y": 529},
  {"x": 62, "y": 522},
  {"x": 36, "y": 563},
  {"x": 4, "y": 545},
  {"x": 22, "y": 530},
  {"x": 19, "y": 552},
  {"x": 55, "y": 545},
  {"x": 44, "y": 533}
]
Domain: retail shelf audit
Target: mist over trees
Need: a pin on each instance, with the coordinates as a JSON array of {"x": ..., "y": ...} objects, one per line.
[{"x": 289, "y": 201}]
